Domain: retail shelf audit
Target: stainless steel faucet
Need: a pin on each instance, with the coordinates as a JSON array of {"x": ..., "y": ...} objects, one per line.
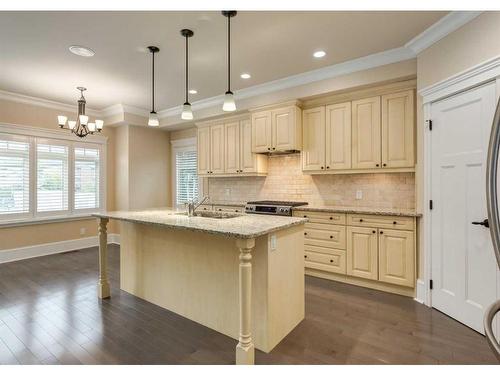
[{"x": 194, "y": 204}]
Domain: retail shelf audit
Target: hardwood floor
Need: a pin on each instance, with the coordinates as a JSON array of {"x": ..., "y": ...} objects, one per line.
[{"x": 50, "y": 314}]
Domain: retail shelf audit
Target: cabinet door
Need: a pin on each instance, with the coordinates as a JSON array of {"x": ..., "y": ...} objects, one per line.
[
  {"x": 261, "y": 131},
  {"x": 362, "y": 252},
  {"x": 366, "y": 142},
  {"x": 398, "y": 120},
  {"x": 248, "y": 160},
  {"x": 203, "y": 142},
  {"x": 217, "y": 149},
  {"x": 338, "y": 136},
  {"x": 396, "y": 257},
  {"x": 313, "y": 146},
  {"x": 283, "y": 129},
  {"x": 232, "y": 147}
]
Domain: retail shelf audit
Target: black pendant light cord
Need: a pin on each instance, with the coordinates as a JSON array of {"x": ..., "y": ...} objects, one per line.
[
  {"x": 229, "y": 54},
  {"x": 153, "y": 84},
  {"x": 187, "y": 70}
]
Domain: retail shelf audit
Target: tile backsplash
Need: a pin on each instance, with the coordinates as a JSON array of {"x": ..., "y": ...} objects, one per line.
[{"x": 285, "y": 181}]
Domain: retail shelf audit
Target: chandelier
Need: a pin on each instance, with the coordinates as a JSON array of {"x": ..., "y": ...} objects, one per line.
[{"x": 81, "y": 127}]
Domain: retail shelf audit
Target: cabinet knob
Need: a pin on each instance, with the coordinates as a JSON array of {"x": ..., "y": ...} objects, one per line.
[
  {"x": 377, "y": 165},
  {"x": 394, "y": 222},
  {"x": 374, "y": 231},
  {"x": 322, "y": 167},
  {"x": 269, "y": 148},
  {"x": 381, "y": 232},
  {"x": 331, "y": 260},
  {"x": 274, "y": 148},
  {"x": 305, "y": 233},
  {"x": 384, "y": 165},
  {"x": 327, "y": 167},
  {"x": 305, "y": 256},
  {"x": 305, "y": 215},
  {"x": 331, "y": 236},
  {"x": 360, "y": 220},
  {"x": 331, "y": 218}
]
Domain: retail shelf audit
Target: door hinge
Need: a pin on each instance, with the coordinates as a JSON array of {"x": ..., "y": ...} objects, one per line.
[
  {"x": 430, "y": 124},
  {"x": 431, "y": 284},
  {"x": 431, "y": 205}
]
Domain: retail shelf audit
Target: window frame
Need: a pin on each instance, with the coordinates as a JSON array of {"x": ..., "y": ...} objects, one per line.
[
  {"x": 35, "y": 136},
  {"x": 185, "y": 144}
]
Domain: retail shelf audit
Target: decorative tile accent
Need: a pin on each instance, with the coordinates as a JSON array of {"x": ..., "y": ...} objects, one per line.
[{"x": 285, "y": 181}]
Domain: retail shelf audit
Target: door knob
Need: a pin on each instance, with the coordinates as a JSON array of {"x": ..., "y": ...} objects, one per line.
[{"x": 484, "y": 223}]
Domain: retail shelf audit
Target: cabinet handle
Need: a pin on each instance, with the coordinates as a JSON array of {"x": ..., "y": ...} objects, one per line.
[
  {"x": 331, "y": 236},
  {"x": 327, "y": 167},
  {"x": 305, "y": 233},
  {"x": 374, "y": 231},
  {"x": 269, "y": 148},
  {"x": 305, "y": 256},
  {"x": 394, "y": 222},
  {"x": 274, "y": 148},
  {"x": 360, "y": 220},
  {"x": 331, "y": 260},
  {"x": 322, "y": 167},
  {"x": 384, "y": 165},
  {"x": 305, "y": 215},
  {"x": 331, "y": 218},
  {"x": 377, "y": 165},
  {"x": 381, "y": 232}
]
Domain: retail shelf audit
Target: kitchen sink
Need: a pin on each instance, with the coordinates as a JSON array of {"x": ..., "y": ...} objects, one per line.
[{"x": 213, "y": 214}]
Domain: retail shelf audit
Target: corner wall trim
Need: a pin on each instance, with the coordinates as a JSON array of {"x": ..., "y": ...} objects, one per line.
[
  {"x": 421, "y": 296},
  {"x": 34, "y": 251}
]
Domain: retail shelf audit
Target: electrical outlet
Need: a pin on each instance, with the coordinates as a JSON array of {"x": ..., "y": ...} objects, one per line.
[
  {"x": 359, "y": 194},
  {"x": 83, "y": 231},
  {"x": 272, "y": 242}
]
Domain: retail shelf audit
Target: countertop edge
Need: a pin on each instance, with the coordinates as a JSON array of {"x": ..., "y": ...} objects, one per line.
[{"x": 363, "y": 211}]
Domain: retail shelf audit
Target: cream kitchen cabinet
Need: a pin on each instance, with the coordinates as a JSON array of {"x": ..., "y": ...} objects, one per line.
[
  {"x": 276, "y": 129},
  {"x": 398, "y": 117},
  {"x": 224, "y": 149},
  {"x": 327, "y": 138},
  {"x": 362, "y": 252},
  {"x": 396, "y": 257},
  {"x": 366, "y": 128}
]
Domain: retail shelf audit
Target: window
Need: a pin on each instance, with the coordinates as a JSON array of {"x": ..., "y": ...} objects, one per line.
[
  {"x": 14, "y": 176},
  {"x": 45, "y": 177},
  {"x": 86, "y": 178},
  {"x": 185, "y": 182}
]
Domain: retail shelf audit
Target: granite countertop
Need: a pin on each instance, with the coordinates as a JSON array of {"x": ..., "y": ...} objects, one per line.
[
  {"x": 234, "y": 204},
  {"x": 243, "y": 226},
  {"x": 360, "y": 210}
]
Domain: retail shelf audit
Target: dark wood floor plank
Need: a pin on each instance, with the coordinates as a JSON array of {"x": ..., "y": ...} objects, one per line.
[{"x": 50, "y": 314}]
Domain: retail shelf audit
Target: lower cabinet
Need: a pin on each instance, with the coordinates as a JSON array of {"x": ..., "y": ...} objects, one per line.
[
  {"x": 375, "y": 249},
  {"x": 362, "y": 252}
]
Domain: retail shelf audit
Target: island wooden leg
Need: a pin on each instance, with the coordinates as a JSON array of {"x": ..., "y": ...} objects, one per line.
[
  {"x": 245, "y": 351},
  {"x": 103, "y": 284}
]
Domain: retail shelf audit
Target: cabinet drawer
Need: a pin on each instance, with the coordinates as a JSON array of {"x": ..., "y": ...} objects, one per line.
[
  {"x": 205, "y": 207},
  {"x": 229, "y": 208},
  {"x": 322, "y": 217},
  {"x": 325, "y": 235},
  {"x": 380, "y": 221},
  {"x": 332, "y": 262}
]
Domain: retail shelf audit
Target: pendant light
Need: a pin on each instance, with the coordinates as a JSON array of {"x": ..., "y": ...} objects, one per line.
[
  {"x": 153, "y": 116},
  {"x": 229, "y": 105},
  {"x": 187, "y": 113}
]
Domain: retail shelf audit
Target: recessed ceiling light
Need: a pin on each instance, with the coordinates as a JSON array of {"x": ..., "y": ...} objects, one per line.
[
  {"x": 81, "y": 51},
  {"x": 245, "y": 76},
  {"x": 319, "y": 54},
  {"x": 193, "y": 91}
]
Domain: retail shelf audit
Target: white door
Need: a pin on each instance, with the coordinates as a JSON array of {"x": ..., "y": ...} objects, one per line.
[{"x": 463, "y": 263}]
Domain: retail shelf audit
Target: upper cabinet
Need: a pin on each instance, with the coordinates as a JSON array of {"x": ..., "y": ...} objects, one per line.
[
  {"x": 224, "y": 149},
  {"x": 366, "y": 150},
  {"x": 277, "y": 129},
  {"x": 366, "y": 135},
  {"x": 398, "y": 117}
]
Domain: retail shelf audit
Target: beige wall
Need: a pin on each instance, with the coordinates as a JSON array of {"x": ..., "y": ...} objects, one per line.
[
  {"x": 285, "y": 181},
  {"x": 13, "y": 237}
]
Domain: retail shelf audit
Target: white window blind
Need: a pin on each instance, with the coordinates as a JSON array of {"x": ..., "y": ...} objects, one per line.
[
  {"x": 86, "y": 178},
  {"x": 186, "y": 176},
  {"x": 52, "y": 178},
  {"x": 14, "y": 177}
]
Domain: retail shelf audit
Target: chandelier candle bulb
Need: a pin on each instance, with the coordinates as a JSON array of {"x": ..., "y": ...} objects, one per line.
[
  {"x": 71, "y": 124},
  {"x": 91, "y": 126},
  {"x": 99, "y": 124},
  {"x": 84, "y": 119}
]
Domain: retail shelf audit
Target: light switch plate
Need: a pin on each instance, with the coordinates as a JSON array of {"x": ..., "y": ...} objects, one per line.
[
  {"x": 359, "y": 194},
  {"x": 272, "y": 242}
]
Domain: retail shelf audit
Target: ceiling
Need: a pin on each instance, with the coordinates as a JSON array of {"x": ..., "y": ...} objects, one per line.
[{"x": 35, "y": 61}]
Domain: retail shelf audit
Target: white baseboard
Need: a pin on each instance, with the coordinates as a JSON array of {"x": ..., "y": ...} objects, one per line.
[
  {"x": 34, "y": 251},
  {"x": 421, "y": 296}
]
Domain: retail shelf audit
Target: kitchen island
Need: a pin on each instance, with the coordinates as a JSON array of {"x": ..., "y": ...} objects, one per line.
[{"x": 241, "y": 275}]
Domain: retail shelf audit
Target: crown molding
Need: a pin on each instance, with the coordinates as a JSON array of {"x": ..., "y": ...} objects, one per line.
[{"x": 446, "y": 25}]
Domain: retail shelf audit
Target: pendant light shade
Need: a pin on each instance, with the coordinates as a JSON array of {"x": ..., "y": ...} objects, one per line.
[
  {"x": 187, "y": 113},
  {"x": 229, "y": 104},
  {"x": 153, "y": 119},
  {"x": 153, "y": 116}
]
